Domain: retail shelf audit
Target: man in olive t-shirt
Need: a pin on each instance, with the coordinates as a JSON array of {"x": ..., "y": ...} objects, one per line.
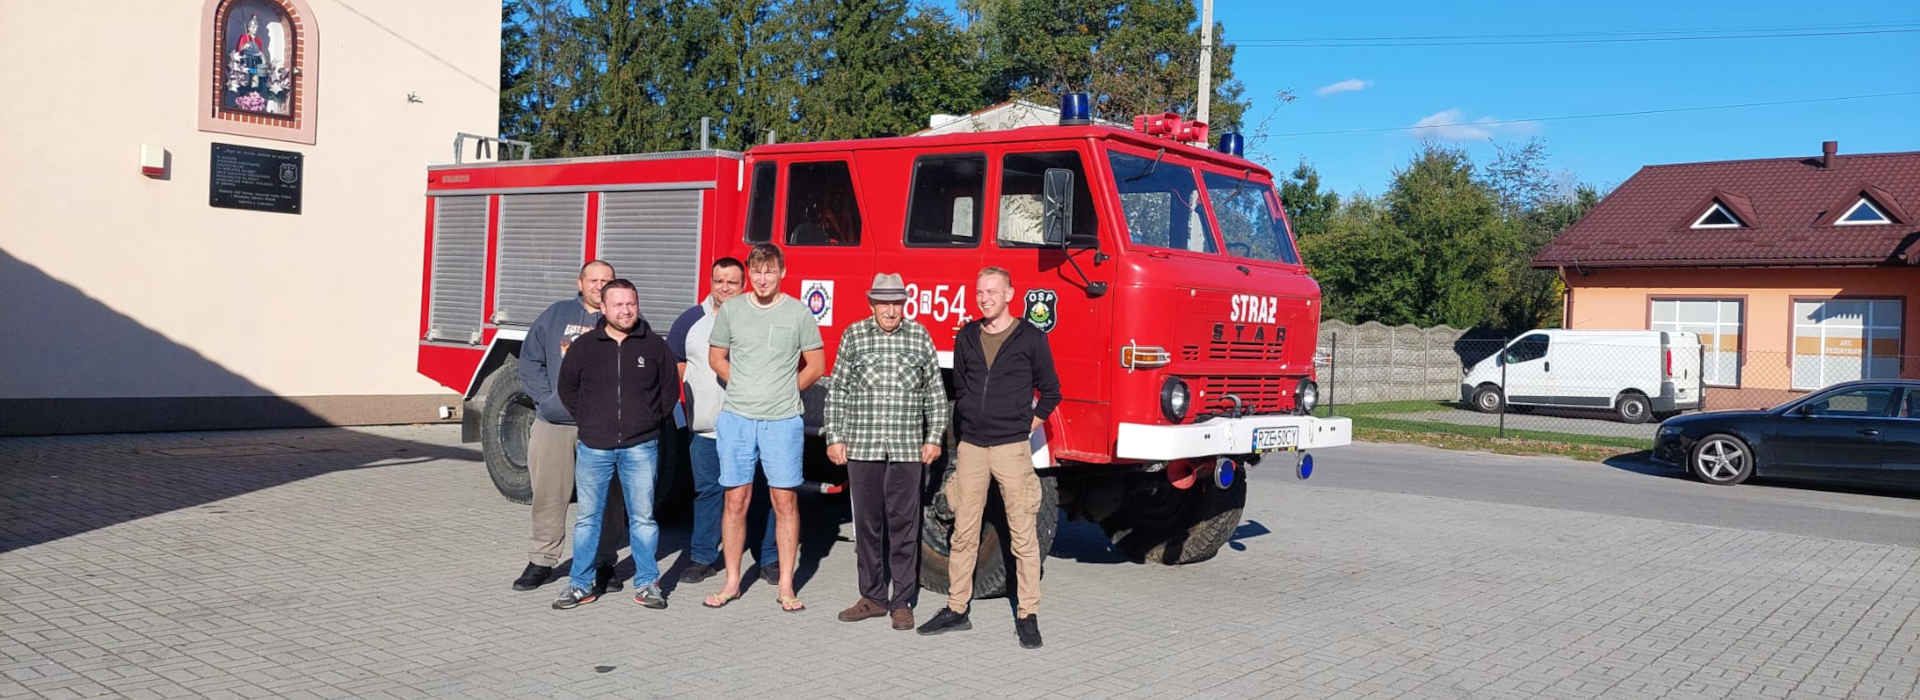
[{"x": 757, "y": 344}]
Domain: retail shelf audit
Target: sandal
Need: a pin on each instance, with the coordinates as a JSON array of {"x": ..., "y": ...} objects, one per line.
[
  {"x": 791, "y": 604},
  {"x": 715, "y": 600}
]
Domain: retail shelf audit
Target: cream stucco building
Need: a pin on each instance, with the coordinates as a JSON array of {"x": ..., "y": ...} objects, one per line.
[{"x": 130, "y": 302}]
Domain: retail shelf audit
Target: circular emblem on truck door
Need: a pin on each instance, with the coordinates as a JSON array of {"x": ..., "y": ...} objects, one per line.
[{"x": 1042, "y": 308}]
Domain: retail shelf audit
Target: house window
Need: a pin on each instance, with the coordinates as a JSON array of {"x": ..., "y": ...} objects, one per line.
[
  {"x": 1717, "y": 322},
  {"x": 821, "y": 206},
  {"x": 1863, "y": 213},
  {"x": 1717, "y": 216},
  {"x": 1837, "y": 340}
]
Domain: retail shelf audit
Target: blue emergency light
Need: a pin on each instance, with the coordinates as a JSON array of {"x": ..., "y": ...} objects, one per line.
[
  {"x": 1075, "y": 109},
  {"x": 1232, "y": 144}
]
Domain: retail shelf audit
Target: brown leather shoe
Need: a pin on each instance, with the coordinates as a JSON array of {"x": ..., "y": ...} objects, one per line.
[
  {"x": 862, "y": 610},
  {"x": 903, "y": 618}
]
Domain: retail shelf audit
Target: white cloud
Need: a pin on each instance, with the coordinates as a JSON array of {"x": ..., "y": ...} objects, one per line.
[
  {"x": 1449, "y": 125},
  {"x": 1348, "y": 85}
]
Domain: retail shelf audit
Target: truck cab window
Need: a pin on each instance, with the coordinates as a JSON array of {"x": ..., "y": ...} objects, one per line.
[
  {"x": 1021, "y": 187},
  {"x": 760, "y": 204},
  {"x": 944, "y": 207},
  {"x": 1530, "y": 348},
  {"x": 1250, "y": 225},
  {"x": 1161, "y": 203},
  {"x": 822, "y": 208}
]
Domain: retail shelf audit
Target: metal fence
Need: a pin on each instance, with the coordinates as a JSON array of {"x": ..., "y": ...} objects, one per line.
[{"x": 1592, "y": 386}]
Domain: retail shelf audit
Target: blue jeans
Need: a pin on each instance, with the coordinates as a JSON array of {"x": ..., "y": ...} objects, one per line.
[
  {"x": 592, "y": 469},
  {"x": 703, "y": 546}
]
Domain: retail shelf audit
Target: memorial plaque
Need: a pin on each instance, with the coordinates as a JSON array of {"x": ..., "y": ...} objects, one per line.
[{"x": 261, "y": 179}]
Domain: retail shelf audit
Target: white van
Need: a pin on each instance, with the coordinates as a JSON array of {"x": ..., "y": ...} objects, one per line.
[{"x": 1634, "y": 374}]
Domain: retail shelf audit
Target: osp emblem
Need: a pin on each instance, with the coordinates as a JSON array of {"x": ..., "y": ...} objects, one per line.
[{"x": 1042, "y": 308}]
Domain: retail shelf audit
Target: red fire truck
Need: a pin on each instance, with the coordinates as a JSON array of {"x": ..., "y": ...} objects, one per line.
[{"x": 1182, "y": 322}]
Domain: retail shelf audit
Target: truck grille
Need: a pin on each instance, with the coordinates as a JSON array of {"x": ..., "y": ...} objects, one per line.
[
  {"x": 1257, "y": 394},
  {"x": 1240, "y": 342}
]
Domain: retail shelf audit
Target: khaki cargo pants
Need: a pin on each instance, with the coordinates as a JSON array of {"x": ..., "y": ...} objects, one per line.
[
  {"x": 550, "y": 463},
  {"x": 1011, "y": 466}
]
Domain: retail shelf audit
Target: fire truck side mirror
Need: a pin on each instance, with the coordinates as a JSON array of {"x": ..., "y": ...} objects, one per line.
[{"x": 1057, "y": 217}]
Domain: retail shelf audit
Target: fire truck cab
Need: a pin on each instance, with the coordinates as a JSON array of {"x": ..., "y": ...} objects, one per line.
[{"x": 1165, "y": 275}]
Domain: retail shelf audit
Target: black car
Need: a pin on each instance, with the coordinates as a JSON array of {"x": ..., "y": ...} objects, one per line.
[{"x": 1864, "y": 432}]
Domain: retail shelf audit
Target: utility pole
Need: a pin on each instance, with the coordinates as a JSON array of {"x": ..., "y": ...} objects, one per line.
[{"x": 1204, "y": 99}]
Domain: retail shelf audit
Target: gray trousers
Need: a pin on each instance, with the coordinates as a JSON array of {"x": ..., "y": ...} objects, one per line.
[{"x": 550, "y": 461}]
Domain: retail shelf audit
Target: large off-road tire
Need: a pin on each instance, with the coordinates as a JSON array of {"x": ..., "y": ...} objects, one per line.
[
  {"x": 1207, "y": 518},
  {"x": 1160, "y": 524},
  {"x": 506, "y": 418},
  {"x": 506, "y": 421},
  {"x": 994, "y": 563}
]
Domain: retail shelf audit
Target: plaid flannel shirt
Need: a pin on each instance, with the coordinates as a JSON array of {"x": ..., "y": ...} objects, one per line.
[{"x": 886, "y": 398}]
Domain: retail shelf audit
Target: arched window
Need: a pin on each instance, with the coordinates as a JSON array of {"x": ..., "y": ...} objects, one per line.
[{"x": 257, "y": 77}]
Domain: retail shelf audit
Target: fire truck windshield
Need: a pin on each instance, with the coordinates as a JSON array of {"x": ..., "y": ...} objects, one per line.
[
  {"x": 1250, "y": 221},
  {"x": 1161, "y": 203}
]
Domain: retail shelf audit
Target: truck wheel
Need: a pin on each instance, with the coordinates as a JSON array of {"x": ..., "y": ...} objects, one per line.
[
  {"x": 1633, "y": 408},
  {"x": 994, "y": 563},
  {"x": 1487, "y": 399},
  {"x": 1207, "y": 519},
  {"x": 506, "y": 417}
]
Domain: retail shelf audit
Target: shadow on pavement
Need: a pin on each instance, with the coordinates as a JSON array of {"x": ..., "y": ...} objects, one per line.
[{"x": 55, "y": 487}]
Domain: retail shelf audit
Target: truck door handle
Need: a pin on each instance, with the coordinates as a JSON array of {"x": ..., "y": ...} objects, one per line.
[
  {"x": 1547, "y": 367},
  {"x": 1869, "y": 432}
]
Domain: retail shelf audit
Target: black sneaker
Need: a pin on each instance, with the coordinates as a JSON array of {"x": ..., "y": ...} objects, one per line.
[
  {"x": 700, "y": 572},
  {"x": 1029, "y": 630},
  {"x": 604, "y": 581},
  {"x": 533, "y": 577},
  {"x": 770, "y": 573},
  {"x": 574, "y": 598},
  {"x": 651, "y": 597},
  {"x": 946, "y": 621}
]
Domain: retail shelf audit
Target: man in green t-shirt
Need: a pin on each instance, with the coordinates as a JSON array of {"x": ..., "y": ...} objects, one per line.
[{"x": 756, "y": 347}]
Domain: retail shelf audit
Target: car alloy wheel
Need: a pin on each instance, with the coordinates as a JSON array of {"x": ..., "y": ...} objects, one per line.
[{"x": 1722, "y": 459}]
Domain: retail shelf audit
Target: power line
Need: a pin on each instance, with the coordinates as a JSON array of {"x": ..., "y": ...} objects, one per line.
[
  {"x": 1284, "y": 43},
  {"x": 1602, "y": 115}
]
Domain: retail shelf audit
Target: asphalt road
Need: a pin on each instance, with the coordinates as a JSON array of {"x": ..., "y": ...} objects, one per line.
[{"x": 1630, "y": 486}]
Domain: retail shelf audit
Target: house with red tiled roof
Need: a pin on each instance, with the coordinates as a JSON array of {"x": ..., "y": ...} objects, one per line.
[{"x": 1796, "y": 272}]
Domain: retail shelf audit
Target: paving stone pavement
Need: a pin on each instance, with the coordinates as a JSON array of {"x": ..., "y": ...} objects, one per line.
[{"x": 375, "y": 562}]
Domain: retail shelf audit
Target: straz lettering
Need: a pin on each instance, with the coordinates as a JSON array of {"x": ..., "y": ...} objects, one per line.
[{"x": 1251, "y": 308}]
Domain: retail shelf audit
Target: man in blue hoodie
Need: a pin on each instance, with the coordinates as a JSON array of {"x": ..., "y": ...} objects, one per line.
[{"x": 550, "y": 443}]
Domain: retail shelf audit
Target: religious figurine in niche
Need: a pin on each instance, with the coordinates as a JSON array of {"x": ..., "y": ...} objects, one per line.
[{"x": 258, "y": 76}]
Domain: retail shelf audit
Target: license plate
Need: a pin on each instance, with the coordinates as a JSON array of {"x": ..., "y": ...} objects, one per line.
[{"x": 1275, "y": 438}]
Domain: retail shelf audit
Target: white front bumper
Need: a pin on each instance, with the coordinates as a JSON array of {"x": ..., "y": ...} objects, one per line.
[{"x": 1224, "y": 436}]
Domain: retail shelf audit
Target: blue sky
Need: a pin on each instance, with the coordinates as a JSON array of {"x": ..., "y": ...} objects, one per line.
[{"x": 1401, "y": 86}]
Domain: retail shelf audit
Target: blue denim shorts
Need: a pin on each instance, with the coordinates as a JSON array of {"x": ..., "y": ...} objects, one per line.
[{"x": 775, "y": 444}]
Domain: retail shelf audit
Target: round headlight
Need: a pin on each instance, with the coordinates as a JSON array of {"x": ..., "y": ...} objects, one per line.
[
  {"x": 1306, "y": 396},
  {"x": 1173, "y": 399}
]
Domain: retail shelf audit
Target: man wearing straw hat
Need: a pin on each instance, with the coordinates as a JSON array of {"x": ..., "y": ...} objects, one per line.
[{"x": 885, "y": 416}]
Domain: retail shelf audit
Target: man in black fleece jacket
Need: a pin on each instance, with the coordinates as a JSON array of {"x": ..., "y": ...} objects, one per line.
[
  {"x": 1000, "y": 365},
  {"x": 620, "y": 383}
]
